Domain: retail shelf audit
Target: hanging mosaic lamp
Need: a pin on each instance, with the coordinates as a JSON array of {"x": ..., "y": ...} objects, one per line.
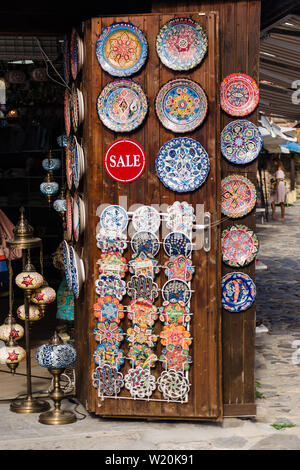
[
  {"x": 35, "y": 313},
  {"x": 11, "y": 328},
  {"x": 29, "y": 279},
  {"x": 43, "y": 296},
  {"x": 12, "y": 354},
  {"x": 49, "y": 187}
]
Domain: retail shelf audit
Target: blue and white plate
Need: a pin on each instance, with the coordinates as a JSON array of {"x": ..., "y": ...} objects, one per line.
[
  {"x": 67, "y": 264},
  {"x": 182, "y": 164},
  {"x": 177, "y": 243},
  {"x": 77, "y": 271},
  {"x": 145, "y": 241},
  {"x": 176, "y": 290},
  {"x": 238, "y": 292},
  {"x": 121, "y": 49},
  {"x": 114, "y": 218},
  {"x": 241, "y": 142}
]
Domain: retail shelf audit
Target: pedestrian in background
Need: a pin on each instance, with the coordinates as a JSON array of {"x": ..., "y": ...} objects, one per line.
[{"x": 279, "y": 190}]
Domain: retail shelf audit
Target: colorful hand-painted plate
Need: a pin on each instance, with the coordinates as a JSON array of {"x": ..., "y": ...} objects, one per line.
[
  {"x": 66, "y": 60},
  {"x": 180, "y": 217},
  {"x": 176, "y": 290},
  {"x": 69, "y": 216},
  {"x": 238, "y": 196},
  {"x": 76, "y": 53},
  {"x": 182, "y": 164},
  {"x": 67, "y": 266},
  {"x": 177, "y": 243},
  {"x": 70, "y": 149},
  {"x": 77, "y": 271},
  {"x": 121, "y": 49},
  {"x": 146, "y": 218},
  {"x": 181, "y": 44},
  {"x": 239, "y": 245},
  {"x": 122, "y": 105},
  {"x": 239, "y": 94},
  {"x": 67, "y": 112},
  {"x": 114, "y": 218},
  {"x": 145, "y": 241},
  {"x": 241, "y": 142},
  {"x": 76, "y": 217},
  {"x": 179, "y": 267},
  {"x": 142, "y": 286},
  {"x": 112, "y": 262},
  {"x": 238, "y": 292},
  {"x": 110, "y": 284},
  {"x": 181, "y": 105},
  {"x": 75, "y": 108}
]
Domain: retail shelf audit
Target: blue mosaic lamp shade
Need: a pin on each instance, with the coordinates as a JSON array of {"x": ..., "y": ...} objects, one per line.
[
  {"x": 60, "y": 205},
  {"x": 56, "y": 354},
  {"x": 51, "y": 164},
  {"x": 49, "y": 188}
]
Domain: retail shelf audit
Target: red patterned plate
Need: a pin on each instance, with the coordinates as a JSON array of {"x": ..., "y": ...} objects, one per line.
[
  {"x": 67, "y": 112},
  {"x": 238, "y": 196},
  {"x": 239, "y": 245},
  {"x": 69, "y": 170},
  {"x": 239, "y": 94},
  {"x": 69, "y": 216}
]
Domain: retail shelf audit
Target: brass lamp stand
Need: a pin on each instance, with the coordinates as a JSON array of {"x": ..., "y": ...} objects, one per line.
[{"x": 24, "y": 240}]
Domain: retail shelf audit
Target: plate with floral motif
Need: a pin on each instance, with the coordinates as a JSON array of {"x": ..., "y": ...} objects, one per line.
[
  {"x": 67, "y": 112},
  {"x": 182, "y": 164},
  {"x": 180, "y": 217},
  {"x": 238, "y": 292},
  {"x": 114, "y": 218},
  {"x": 146, "y": 218},
  {"x": 239, "y": 245},
  {"x": 241, "y": 142},
  {"x": 181, "y": 44},
  {"x": 69, "y": 215},
  {"x": 238, "y": 196},
  {"x": 121, "y": 49},
  {"x": 181, "y": 105},
  {"x": 239, "y": 94},
  {"x": 122, "y": 105}
]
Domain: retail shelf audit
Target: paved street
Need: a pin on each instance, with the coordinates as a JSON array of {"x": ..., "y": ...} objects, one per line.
[{"x": 277, "y": 374}]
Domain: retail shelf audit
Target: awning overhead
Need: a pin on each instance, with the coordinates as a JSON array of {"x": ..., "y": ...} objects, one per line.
[{"x": 280, "y": 69}]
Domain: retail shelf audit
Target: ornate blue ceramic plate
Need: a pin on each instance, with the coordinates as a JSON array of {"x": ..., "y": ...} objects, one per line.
[
  {"x": 122, "y": 105},
  {"x": 177, "y": 243},
  {"x": 238, "y": 292},
  {"x": 182, "y": 164},
  {"x": 67, "y": 265},
  {"x": 181, "y": 44},
  {"x": 145, "y": 241},
  {"x": 114, "y": 218},
  {"x": 121, "y": 49},
  {"x": 181, "y": 105},
  {"x": 241, "y": 142},
  {"x": 176, "y": 290},
  {"x": 75, "y": 165}
]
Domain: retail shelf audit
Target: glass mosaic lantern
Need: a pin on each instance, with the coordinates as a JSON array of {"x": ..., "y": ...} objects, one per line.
[
  {"x": 43, "y": 296},
  {"x": 11, "y": 328},
  {"x": 56, "y": 356}
]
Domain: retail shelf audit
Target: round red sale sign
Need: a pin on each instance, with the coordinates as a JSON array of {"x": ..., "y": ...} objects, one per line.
[{"x": 125, "y": 160}]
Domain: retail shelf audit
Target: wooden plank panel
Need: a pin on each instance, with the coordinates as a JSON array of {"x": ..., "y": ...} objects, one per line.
[{"x": 204, "y": 401}]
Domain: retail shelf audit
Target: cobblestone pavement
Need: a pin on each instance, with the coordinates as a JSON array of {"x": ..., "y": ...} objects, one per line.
[{"x": 277, "y": 374}]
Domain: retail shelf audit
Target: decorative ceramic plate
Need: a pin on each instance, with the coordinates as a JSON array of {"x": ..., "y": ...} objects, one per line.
[
  {"x": 76, "y": 217},
  {"x": 239, "y": 94},
  {"x": 114, "y": 218},
  {"x": 121, "y": 49},
  {"x": 146, "y": 218},
  {"x": 142, "y": 286},
  {"x": 182, "y": 164},
  {"x": 108, "y": 308},
  {"x": 110, "y": 284},
  {"x": 173, "y": 385},
  {"x": 74, "y": 54},
  {"x": 122, "y": 105},
  {"x": 70, "y": 149},
  {"x": 176, "y": 358},
  {"x": 80, "y": 101},
  {"x": 239, "y": 245},
  {"x": 109, "y": 355},
  {"x": 181, "y": 105},
  {"x": 77, "y": 271},
  {"x": 67, "y": 265},
  {"x": 107, "y": 242},
  {"x": 238, "y": 292},
  {"x": 108, "y": 332},
  {"x": 112, "y": 262},
  {"x": 75, "y": 108},
  {"x": 241, "y": 142},
  {"x": 107, "y": 380},
  {"x": 69, "y": 216},
  {"x": 145, "y": 241},
  {"x": 180, "y": 217},
  {"x": 143, "y": 263},
  {"x": 140, "y": 383},
  {"x": 177, "y": 243},
  {"x": 179, "y": 267},
  {"x": 67, "y": 112},
  {"x": 181, "y": 44},
  {"x": 142, "y": 312},
  {"x": 238, "y": 196},
  {"x": 174, "y": 312},
  {"x": 176, "y": 290},
  {"x": 75, "y": 165}
]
